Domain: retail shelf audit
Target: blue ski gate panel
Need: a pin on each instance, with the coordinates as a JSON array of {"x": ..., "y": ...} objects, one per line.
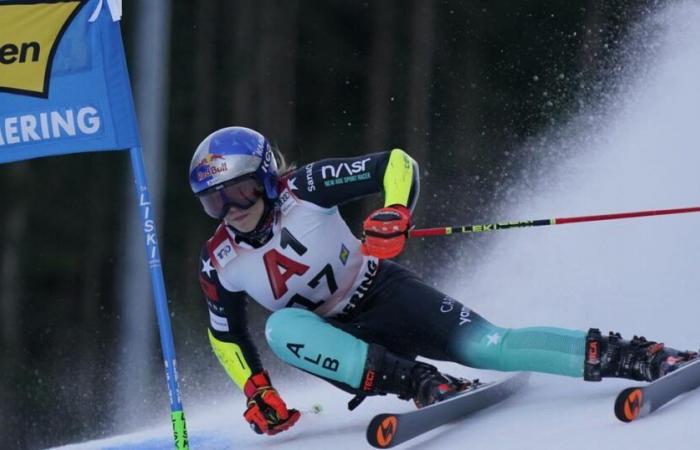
[{"x": 64, "y": 87}]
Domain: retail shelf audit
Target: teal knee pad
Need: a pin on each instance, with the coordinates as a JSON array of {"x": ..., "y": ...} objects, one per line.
[{"x": 307, "y": 341}]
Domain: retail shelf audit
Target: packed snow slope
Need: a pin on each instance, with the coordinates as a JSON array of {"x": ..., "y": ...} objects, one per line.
[{"x": 639, "y": 150}]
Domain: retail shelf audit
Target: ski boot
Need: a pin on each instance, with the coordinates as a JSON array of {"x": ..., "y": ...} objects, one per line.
[
  {"x": 432, "y": 386},
  {"x": 637, "y": 359},
  {"x": 387, "y": 373}
]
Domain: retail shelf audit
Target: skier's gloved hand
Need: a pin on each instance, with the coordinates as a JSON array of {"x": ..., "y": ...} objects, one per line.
[
  {"x": 385, "y": 231},
  {"x": 267, "y": 413}
]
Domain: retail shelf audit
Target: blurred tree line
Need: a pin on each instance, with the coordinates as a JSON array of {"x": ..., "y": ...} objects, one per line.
[{"x": 461, "y": 85}]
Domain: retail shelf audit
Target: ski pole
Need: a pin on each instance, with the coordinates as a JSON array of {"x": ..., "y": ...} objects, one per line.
[{"x": 445, "y": 231}]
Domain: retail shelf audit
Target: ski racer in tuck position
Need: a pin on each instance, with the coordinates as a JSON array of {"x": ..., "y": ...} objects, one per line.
[{"x": 342, "y": 310}]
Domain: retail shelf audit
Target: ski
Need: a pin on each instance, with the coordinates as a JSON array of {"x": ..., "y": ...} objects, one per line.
[
  {"x": 389, "y": 430},
  {"x": 636, "y": 402}
]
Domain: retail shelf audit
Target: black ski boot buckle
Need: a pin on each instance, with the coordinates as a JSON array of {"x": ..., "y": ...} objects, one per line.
[{"x": 355, "y": 401}]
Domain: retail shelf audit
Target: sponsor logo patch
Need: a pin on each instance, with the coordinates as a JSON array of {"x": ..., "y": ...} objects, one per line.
[
  {"x": 60, "y": 123},
  {"x": 266, "y": 157},
  {"x": 464, "y": 316},
  {"x": 386, "y": 431},
  {"x": 343, "y": 169},
  {"x": 29, "y": 36},
  {"x": 210, "y": 166},
  {"x": 224, "y": 253},
  {"x": 217, "y": 322},
  {"x": 369, "y": 381},
  {"x": 310, "y": 186},
  {"x": 633, "y": 404},
  {"x": 344, "y": 253},
  {"x": 287, "y": 201},
  {"x": 363, "y": 288},
  {"x": 447, "y": 304},
  {"x": 260, "y": 147}
]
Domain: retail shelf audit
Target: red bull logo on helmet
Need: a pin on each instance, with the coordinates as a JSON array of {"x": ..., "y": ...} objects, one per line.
[{"x": 210, "y": 166}]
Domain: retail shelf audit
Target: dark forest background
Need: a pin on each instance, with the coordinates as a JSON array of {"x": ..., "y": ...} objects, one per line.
[{"x": 464, "y": 86}]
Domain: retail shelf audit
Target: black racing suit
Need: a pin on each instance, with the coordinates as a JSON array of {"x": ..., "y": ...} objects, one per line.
[{"x": 399, "y": 311}]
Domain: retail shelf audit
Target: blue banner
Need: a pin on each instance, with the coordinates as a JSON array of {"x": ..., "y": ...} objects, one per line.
[{"x": 64, "y": 86}]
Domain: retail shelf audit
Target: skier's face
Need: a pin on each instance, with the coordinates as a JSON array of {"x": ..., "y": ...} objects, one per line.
[{"x": 245, "y": 220}]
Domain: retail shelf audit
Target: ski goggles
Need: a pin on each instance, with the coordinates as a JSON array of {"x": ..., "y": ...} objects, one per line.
[{"x": 241, "y": 193}]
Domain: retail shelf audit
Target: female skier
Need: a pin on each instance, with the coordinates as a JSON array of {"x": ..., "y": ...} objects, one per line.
[{"x": 341, "y": 309}]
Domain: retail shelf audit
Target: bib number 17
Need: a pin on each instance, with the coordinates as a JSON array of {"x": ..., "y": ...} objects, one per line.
[{"x": 281, "y": 268}]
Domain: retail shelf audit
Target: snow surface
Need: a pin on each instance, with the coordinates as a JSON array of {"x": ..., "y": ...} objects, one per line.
[{"x": 637, "y": 276}]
